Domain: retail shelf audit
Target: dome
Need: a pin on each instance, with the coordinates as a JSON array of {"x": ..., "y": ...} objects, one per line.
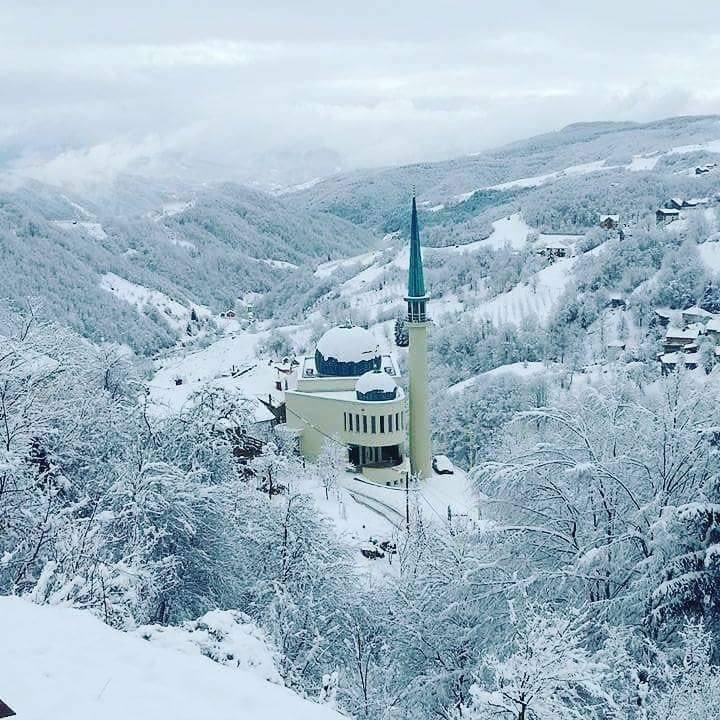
[
  {"x": 376, "y": 385},
  {"x": 346, "y": 352}
]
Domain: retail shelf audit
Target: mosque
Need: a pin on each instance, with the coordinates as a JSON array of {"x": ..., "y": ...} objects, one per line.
[{"x": 348, "y": 393}]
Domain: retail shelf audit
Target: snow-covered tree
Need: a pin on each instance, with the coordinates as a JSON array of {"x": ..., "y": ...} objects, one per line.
[{"x": 547, "y": 673}]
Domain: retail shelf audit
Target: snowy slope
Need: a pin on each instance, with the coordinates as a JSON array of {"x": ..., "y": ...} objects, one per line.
[
  {"x": 173, "y": 312},
  {"x": 65, "y": 664}
]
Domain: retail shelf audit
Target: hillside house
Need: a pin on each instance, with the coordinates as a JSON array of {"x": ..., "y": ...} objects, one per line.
[
  {"x": 617, "y": 300},
  {"x": 675, "y": 203},
  {"x": 712, "y": 329},
  {"x": 555, "y": 248},
  {"x": 661, "y": 316},
  {"x": 670, "y": 361},
  {"x": 680, "y": 339},
  {"x": 696, "y": 314},
  {"x": 609, "y": 222},
  {"x": 665, "y": 216}
]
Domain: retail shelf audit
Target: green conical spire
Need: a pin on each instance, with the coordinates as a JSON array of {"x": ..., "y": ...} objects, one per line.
[{"x": 416, "y": 283}]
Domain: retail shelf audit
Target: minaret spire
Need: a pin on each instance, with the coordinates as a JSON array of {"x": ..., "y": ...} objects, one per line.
[
  {"x": 416, "y": 281},
  {"x": 417, "y": 323}
]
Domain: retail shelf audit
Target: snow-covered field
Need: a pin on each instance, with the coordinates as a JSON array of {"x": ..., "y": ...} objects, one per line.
[
  {"x": 173, "y": 312},
  {"x": 519, "y": 369},
  {"x": 93, "y": 229},
  {"x": 65, "y": 664},
  {"x": 536, "y": 298}
]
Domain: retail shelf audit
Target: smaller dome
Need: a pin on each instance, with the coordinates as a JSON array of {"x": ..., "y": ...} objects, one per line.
[{"x": 376, "y": 385}]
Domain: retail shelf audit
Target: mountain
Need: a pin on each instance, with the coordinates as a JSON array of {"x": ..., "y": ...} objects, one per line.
[
  {"x": 377, "y": 198},
  {"x": 204, "y": 245}
]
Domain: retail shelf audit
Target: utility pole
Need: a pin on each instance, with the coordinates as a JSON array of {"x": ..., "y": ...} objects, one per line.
[{"x": 407, "y": 502}]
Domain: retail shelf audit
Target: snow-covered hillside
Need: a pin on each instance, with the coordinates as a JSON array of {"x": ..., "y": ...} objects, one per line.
[{"x": 65, "y": 664}]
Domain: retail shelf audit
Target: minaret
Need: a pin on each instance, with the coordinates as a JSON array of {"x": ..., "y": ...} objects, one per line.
[{"x": 417, "y": 322}]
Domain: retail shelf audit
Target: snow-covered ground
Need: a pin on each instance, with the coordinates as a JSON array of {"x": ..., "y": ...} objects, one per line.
[
  {"x": 65, "y": 664},
  {"x": 173, "y": 312},
  {"x": 328, "y": 268},
  {"x": 522, "y": 370},
  {"x": 93, "y": 229},
  {"x": 536, "y": 298}
]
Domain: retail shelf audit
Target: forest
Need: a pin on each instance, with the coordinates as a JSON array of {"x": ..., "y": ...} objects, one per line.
[{"x": 590, "y": 588}]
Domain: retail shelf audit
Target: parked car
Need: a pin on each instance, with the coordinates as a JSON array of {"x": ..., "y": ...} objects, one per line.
[{"x": 442, "y": 465}]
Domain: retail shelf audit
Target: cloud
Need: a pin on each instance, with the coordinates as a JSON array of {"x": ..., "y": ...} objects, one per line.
[{"x": 90, "y": 89}]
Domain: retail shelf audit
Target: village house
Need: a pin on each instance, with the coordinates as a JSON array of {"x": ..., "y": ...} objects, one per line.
[
  {"x": 680, "y": 339},
  {"x": 617, "y": 300},
  {"x": 670, "y": 361},
  {"x": 609, "y": 222},
  {"x": 661, "y": 316},
  {"x": 555, "y": 248},
  {"x": 712, "y": 329},
  {"x": 665, "y": 216},
  {"x": 696, "y": 314}
]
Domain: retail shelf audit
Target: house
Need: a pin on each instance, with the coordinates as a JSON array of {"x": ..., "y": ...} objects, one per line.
[
  {"x": 675, "y": 203},
  {"x": 702, "y": 169},
  {"x": 670, "y": 361},
  {"x": 614, "y": 349},
  {"x": 555, "y": 249},
  {"x": 664, "y": 216},
  {"x": 661, "y": 316},
  {"x": 680, "y": 338},
  {"x": 712, "y": 329},
  {"x": 616, "y": 300},
  {"x": 696, "y": 314},
  {"x": 609, "y": 222}
]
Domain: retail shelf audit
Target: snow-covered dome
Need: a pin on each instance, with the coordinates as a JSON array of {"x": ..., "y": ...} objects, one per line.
[
  {"x": 376, "y": 385},
  {"x": 346, "y": 351}
]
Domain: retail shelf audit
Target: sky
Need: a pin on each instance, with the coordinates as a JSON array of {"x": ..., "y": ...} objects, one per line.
[{"x": 279, "y": 92}]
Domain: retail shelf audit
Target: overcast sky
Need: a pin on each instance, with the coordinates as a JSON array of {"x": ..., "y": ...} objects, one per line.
[{"x": 213, "y": 86}]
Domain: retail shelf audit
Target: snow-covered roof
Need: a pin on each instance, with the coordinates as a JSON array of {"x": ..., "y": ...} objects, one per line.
[
  {"x": 676, "y": 358},
  {"x": 689, "y": 333},
  {"x": 348, "y": 344},
  {"x": 375, "y": 380},
  {"x": 714, "y": 325},
  {"x": 614, "y": 218},
  {"x": 668, "y": 211},
  {"x": 696, "y": 311}
]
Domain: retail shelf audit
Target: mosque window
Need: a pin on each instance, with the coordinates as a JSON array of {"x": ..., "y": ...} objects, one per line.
[
  {"x": 397, "y": 421},
  {"x": 372, "y": 425},
  {"x": 364, "y": 423},
  {"x": 357, "y": 422},
  {"x": 390, "y": 423},
  {"x": 382, "y": 423},
  {"x": 351, "y": 422},
  {"x": 345, "y": 421}
]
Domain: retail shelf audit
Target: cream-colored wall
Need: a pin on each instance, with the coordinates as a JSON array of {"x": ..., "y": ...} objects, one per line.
[
  {"x": 420, "y": 450},
  {"x": 320, "y": 416}
]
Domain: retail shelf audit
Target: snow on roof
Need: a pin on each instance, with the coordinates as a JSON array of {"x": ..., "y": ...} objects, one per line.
[
  {"x": 375, "y": 380},
  {"x": 676, "y": 358},
  {"x": 348, "y": 344},
  {"x": 615, "y": 218},
  {"x": 689, "y": 333},
  {"x": 714, "y": 325},
  {"x": 668, "y": 211},
  {"x": 697, "y": 312}
]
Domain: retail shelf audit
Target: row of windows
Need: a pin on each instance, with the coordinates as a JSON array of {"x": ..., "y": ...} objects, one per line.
[{"x": 354, "y": 422}]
